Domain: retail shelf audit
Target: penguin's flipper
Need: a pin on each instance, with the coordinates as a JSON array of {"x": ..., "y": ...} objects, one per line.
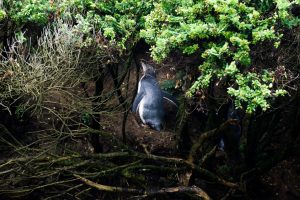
[
  {"x": 137, "y": 100},
  {"x": 170, "y": 98}
]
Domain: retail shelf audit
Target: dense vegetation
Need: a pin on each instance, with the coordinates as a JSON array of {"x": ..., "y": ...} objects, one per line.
[{"x": 245, "y": 52}]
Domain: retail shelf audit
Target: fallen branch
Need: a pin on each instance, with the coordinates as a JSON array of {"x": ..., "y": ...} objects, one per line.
[
  {"x": 208, "y": 155},
  {"x": 211, "y": 176},
  {"x": 180, "y": 189}
]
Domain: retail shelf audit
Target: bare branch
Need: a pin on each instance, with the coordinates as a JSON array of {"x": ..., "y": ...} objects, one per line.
[{"x": 180, "y": 189}]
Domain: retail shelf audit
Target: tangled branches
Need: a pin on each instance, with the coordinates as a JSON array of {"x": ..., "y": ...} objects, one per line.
[{"x": 45, "y": 172}]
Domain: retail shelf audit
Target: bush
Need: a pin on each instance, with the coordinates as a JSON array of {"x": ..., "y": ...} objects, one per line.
[
  {"x": 56, "y": 65},
  {"x": 222, "y": 33},
  {"x": 117, "y": 22}
]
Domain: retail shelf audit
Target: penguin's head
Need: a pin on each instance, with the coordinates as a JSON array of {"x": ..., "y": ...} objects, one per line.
[{"x": 148, "y": 69}]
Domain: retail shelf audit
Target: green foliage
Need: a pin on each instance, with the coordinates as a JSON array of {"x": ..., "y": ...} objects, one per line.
[
  {"x": 222, "y": 32},
  {"x": 86, "y": 118},
  {"x": 117, "y": 21},
  {"x": 255, "y": 90},
  {"x": 20, "y": 37},
  {"x": 2, "y": 14},
  {"x": 283, "y": 12},
  {"x": 20, "y": 110},
  {"x": 36, "y": 11},
  {"x": 168, "y": 85}
]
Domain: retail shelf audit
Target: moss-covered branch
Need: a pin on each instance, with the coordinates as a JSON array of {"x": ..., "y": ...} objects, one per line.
[{"x": 181, "y": 189}]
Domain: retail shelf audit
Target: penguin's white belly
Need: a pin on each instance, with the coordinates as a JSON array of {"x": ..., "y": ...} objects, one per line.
[
  {"x": 148, "y": 110},
  {"x": 141, "y": 110}
]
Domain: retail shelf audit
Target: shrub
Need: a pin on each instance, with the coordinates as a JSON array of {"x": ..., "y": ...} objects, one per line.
[
  {"x": 117, "y": 22},
  {"x": 222, "y": 33},
  {"x": 55, "y": 66}
]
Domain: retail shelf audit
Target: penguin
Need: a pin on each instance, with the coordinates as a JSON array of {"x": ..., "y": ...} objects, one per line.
[
  {"x": 148, "y": 102},
  {"x": 231, "y": 139}
]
